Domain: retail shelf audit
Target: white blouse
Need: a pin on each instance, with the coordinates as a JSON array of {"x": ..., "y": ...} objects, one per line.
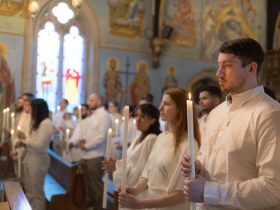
[{"x": 137, "y": 156}]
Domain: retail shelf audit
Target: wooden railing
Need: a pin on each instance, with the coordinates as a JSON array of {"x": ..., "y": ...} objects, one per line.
[{"x": 14, "y": 197}]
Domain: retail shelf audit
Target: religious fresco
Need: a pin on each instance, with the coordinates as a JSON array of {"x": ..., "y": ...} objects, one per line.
[
  {"x": 170, "y": 80},
  {"x": 141, "y": 83},
  {"x": 126, "y": 17},
  {"x": 225, "y": 20},
  {"x": 111, "y": 80},
  {"x": 180, "y": 14},
  {"x": 11, "y": 8}
]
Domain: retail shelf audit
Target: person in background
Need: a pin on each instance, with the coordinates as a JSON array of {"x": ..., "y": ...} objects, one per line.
[
  {"x": 36, "y": 160},
  {"x": 92, "y": 140},
  {"x": 238, "y": 165},
  {"x": 209, "y": 97},
  {"x": 147, "y": 123},
  {"x": 146, "y": 99},
  {"x": 161, "y": 181}
]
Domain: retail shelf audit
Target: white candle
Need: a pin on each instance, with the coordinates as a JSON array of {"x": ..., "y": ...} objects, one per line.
[
  {"x": 12, "y": 121},
  {"x": 124, "y": 147},
  {"x": 67, "y": 137},
  {"x": 8, "y": 118},
  {"x": 3, "y": 126},
  {"x": 79, "y": 113},
  {"x": 106, "y": 177},
  {"x": 116, "y": 127},
  {"x": 191, "y": 141}
]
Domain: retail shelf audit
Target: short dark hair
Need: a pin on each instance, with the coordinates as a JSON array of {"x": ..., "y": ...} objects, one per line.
[
  {"x": 248, "y": 50},
  {"x": 85, "y": 105},
  {"x": 40, "y": 111},
  {"x": 28, "y": 95},
  {"x": 212, "y": 90},
  {"x": 148, "y": 97}
]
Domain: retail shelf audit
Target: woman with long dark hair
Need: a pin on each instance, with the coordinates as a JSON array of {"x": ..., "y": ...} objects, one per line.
[
  {"x": 159, "y": 182},
  {"x": 36, "y": 160},
  {"x": 147, "y": 122}
]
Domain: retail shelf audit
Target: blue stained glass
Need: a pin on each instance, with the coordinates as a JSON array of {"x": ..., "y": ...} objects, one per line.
[
  {"x": 47, "y": 64},
  {"x": 72, "y": 80}
]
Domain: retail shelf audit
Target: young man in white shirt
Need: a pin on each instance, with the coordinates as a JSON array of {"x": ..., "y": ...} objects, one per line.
[
  {"x": 238, "y": 164},
  {"x": 93, "y": 144},
  {"x": 210, "y": 96}
]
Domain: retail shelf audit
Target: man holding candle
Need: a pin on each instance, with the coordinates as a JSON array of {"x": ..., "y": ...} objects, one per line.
[
  {"x": 93, "y": 143},
  {"x": 238, "y": 166}
]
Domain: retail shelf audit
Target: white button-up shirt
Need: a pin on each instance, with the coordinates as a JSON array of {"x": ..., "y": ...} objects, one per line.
[{"x": 240, "y": 153}]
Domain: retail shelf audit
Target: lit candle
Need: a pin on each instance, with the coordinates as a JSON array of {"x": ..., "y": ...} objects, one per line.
[
  {"x": 8, "y": 118},
  {"x": 12, "y": 121},
  {"x": 106, "y": 177},
  {"x": 58, "y": 108},
  {"x": 124, "y": 147},
  {"x": 116, "y": 127},
  {"x": 19, "y": 128},
  {"x": 67, "y": 137},
  {"x": 79, "y": 113},
  {"x": 191, "y": 141}
]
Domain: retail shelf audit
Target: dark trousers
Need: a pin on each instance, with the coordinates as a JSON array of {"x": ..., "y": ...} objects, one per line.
[{"x": 95, "y": 183}]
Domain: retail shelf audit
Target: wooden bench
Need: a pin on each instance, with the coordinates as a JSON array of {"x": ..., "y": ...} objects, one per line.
[
  {"x": 14, "y": 197},
  {"x": 72, "y": 178}
]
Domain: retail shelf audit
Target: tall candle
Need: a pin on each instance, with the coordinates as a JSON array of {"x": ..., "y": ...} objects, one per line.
[
  {"x": 106, "y": 177},
  {"x": 8, "y": 118},
  {"x": 124, "y": 147},
  {"x": 12, "y": 121},
  {"x": 67, "y": 137},
  {"x": 191, "y": 141},
  {"x": 79, "y": 113},
  {"x": 116, "y": 127}
]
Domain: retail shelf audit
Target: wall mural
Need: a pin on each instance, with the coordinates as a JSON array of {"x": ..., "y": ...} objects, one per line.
[
  {"x": 11, "y": 8},
  {"x": 140, "y": 85},
  {"x": 126, "y": 17},
  {"x": 227, "y": 19},
  {"x": 180, "y": 14}
]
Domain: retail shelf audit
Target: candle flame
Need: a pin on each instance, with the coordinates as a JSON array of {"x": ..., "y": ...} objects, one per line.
[
  {"x": 67, "y": 131},
  {"x": 12, "y": 114},
  {"x": 116, "y": 121},
  {"x": 190, "y": 96},
  {"x": 19, "y": 128}
]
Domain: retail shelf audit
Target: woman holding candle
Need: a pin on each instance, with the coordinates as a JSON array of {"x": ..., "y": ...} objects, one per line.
[
  {"x": 161, "y": 191},
  {"x": 36, "y": 160},
  {"x": 147, "y": 122}
]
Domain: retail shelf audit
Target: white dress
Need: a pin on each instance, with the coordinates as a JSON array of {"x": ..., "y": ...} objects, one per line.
[
  {"x": 137, "y": 156},
  {"x": 161, "y": 168},
  {"x": 36, "y": 162}
]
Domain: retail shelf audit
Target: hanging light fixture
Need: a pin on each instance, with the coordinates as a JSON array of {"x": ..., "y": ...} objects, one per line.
[
  {"x": 77, "y": 3},
  {"x": 33, "y": 8}
]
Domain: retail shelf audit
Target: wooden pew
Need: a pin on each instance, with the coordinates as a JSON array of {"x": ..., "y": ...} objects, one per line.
[
  {"x": 72, "y": 178},
  {"x": 14, "y": 197}
]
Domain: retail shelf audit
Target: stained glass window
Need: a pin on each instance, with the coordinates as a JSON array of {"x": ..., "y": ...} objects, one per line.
[
  {"x": 47, "y": 64},
  {"x": 72, "y": 66},
  {"x": 60, "y": 58}
]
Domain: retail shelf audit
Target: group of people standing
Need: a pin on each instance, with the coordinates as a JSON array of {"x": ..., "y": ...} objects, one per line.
[{"x": 237, "y": 141}]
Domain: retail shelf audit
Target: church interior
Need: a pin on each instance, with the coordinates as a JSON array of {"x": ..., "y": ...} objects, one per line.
[{"x": 121, "y": 50}]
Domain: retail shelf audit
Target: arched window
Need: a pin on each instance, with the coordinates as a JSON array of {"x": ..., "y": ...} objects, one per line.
[{"x": 60, "y": 56}]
